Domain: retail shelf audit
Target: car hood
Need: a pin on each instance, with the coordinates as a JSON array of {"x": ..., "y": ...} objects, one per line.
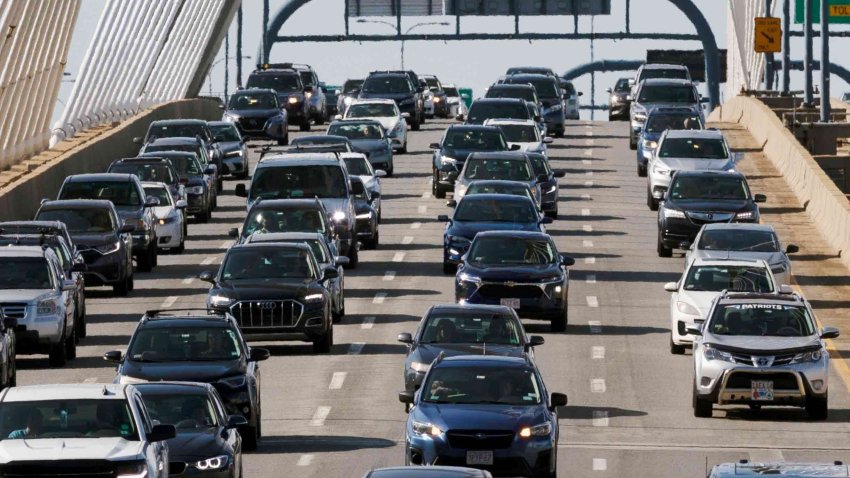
[
  {"x": 711, "y": 204},
  {"x": 699, "y": 299},
  {"x": 86, "y": 240},
  {"x": 694, "y": 164},
  {"x": 517, "y": 273},
  {"x": 254, "y": 113},
  {"x": 470, "y": 229},
  {"x": 195, "y": 445},
  {"x": 530, "y": 146},
  {"x": 229, "y": 146},
  {"x": 162, "y": 211},
  {"x": 182, "y": 371},
  {"x": 22, "y": 295},
  {"x": 760, "y": 345},
  {"x": 369, "y": 145},
  {"x": 479, "y": 417},
  {"x": 370, "y": 182},
  {"x": 769, "y": 257},
  {"x": 113, "y": 449},
  {"x": 264, "y": 289},
  {"x": 130, "y": 212},
  {"x": 335, "y": 204},
  {"x": 426, "y": 353}
]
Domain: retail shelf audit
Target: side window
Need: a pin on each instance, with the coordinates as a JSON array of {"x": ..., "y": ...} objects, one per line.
[
  {"x": 219, "y": 407},
  {"x": 147, "y": 424},
  {"x": 116, "y": 221}
]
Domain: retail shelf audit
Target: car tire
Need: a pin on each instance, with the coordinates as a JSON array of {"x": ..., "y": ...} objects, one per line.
[
  {"x": 180, "y": 247},
  {"x": 323, "y": 344},
  {"x": 403, "y": 149},
  {"x": 145, "y": 261},
  {"x": 632, "y": 143},
  {"x": 82, "y": 332},
  {"x": 663, "y": 251},
  {"x": 702, "y": 407},
  {"x": 414, "y": 125},
  {"x": 559, "y": 322},
  {"x": 304, "y": 125},
  {"x": 203, "y": 217},
  {"x": 817, "y": 408},
  {"x": 250, "y": 439},
  {"x": 122, "y": 288},
  {"x": 641, "y": 171},
  {"x": 438, "y": 192},
  {"x": 131, "y": 283},
  {"x": 373, "y": 241},
  {"x": 553, "y": 213},
  {"x": 58, "y": 355},
  {"x": 281, "y": 142},
  {"x": 559, "y": 133},
  {"x": 339, "y": 315},
  {"x": 651, "y": 202},
  {"x": 353, "y": 257},
  {"x": 154, "y": 253},
  {"x": 13, "y": 364},
  {"x": 676, "y": 349},
  {"x": 390, "y": 169},
  {"x": 71, "y": 345},
  {"x": 449, "y": 268}
]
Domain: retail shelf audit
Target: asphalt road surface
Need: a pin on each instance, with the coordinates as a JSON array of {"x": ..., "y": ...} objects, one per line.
[{"x": 338, "y": 415}]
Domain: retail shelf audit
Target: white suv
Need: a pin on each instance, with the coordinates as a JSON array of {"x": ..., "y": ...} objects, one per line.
[{"x": 80, "y": 430}]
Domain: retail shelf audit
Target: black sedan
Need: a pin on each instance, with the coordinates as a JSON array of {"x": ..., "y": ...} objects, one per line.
[
  {"x": 549, "y": 187},
  {"x": 459, "y": 141},
  {"x": 521, "y": 270},
  {"x": 258, "y": 114},
  {"x": 207, "y": 443},
  {"x": 366, "y": 214},
  {"x": 696, "y": 198},
  {"x": 233, "y": 148}
]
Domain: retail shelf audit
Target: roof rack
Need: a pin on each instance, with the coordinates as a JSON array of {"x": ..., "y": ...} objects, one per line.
[
  {"x": 212, "y": 313},
  {"x": 319, "y": 148},
  {"x": 789, "y": 297},
  {"x": 283, "y": 66}
]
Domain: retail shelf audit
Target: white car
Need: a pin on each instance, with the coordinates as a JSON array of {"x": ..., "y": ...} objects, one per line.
[
  {"x": 428, "y": 101},
  {"x": 523, "y": 133},
  {"x": 456, "y": 104},
  {"x": 384, "y": 111},
  {"x": 571, "y": 100},
  {"x": 170, "y": 216},
  {"x": 80, "y": 430},
  {"x": 358, "y": 165},
  {"x": 702, "y": 281}
]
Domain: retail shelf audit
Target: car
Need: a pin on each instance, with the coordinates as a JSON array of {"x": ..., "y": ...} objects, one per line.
[
  {"x": 197, "y": 345},
  {"x": 463, "y": 329},
  {"x": 46, "y": 228},
  {"x": 522, "y": 133},
  {"x": 171, "y": 227},
  {"x": 685, "y": 150},
  {"x": 702, "y": 281},
  {"x": 185, "y": 128},
  {"x": 192, "y": 145},
  {"x": 650, "y": 71},
  {"x": 323, "y": 142},
  {"x": 510, "y": 166},
  {"x": 396, "y": 86},
  {"x": 359, "y": 166},
  {"x": 533, "y": 70},
  {"x": 290, "y": 90},
  {"x": 331, "y": 100},
  {"x": 521, "y": 269},
  {"x": 486, "y": 412},
  {"x": 385, "y": 112},
  {"x": 8, "y": 352},
  {"x": 571, "y": 100},
  {"x": 618, "y": 100},
  {"x": 125, "y": 191},
  {"x": 456, "y": 104},
  {"x": 103, "y": 240},
  {"x": 233, "y": 148},
  {"x": 485, "y": 212},
  {"x": 483, "y": 109},
  {"x": 309, "y": 175},
  {"x": 658, "y": 121},
  {"x": 199, "y": 186},
  {"x": 366, "y": 226},
  {"x": 427, "y": 472},
  {"x": 743, "y": 241},
  {"x": 349, "y": 92},
  {"x": 497, "y": 186},
  {"x": 439, "y": 106},
  {"x": 792, "y": 469},
  {"x": 104, "y": 430},
  {"x": 368, "y": 137},
  {"x": 295, "y": 305},
  {"x": 149, "y": 168},
  {"x": 287, "y": 215},
  {"x": 696, "y": 198},
  {"x": 457, "y": 143},
  {"x": 549, "y": 188},
  {"x": 207, "y": 441},
  {"x": 326, "y": 255},
  {"x": 257, "y": 114},
  {"x": 660, "y": 93},
  {"x": 534, "y": 112},
  {"x": 525, "y": 92},
  {"x": 551, "y": 98},
  {"x": 761, "y": 349},
  {"x": 315, "y": 91}
]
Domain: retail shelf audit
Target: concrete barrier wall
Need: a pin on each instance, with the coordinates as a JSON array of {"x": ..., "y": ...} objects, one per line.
[
  {"x": 823, "y": 201},
  {"x": 20, "y": 200}
]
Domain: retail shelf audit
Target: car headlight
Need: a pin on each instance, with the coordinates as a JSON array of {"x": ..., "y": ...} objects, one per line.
[
  {"x": 233, "y": 382},
  {"x": 673, "y": 214},
  {"x": 108, "y": 248},
  {"x": 813, "y": 356},
  {"x": 437, "y": 99},
  {"x": 220, "y": 301},
  {"x": 214, "y": 463},
  {"x": 458, "y": 239},
  {"x": 338, "y": 216},
  {"x": 712, "y": 353},
  {"x": 308, "y": 95},
  {"x": 448, "y": 161},
  {"x": 347, "y": 100},
  {"x": 407, "y": 101},
  {"x": 555, "y": 108},
  {"x": 46, "y": 307},
  {"x": 552, "y": 189},
  {"x": 233, "y": 154},
  {"x": 293, "y": 100},
  {"x": 779, "y": 268},
  {"x": 615, "y": 100},
  {"x": 640, "y": 117},
  {"x": 313, "y": 298},
  {"x": 195, "y": 190},
  {"x": 661, "y": 169},
  {"x": 745, "y": 215},
  {"x": 365, "y": 215},
  {"x": 650, "y": 144},
  {"x": 542, "y": 430},
  {"x": 686, "y": 308},
  {"x": 166, "y": 220},
  {"x": 464, "y": 277},
  {"x": 132, "y": 470},
  {"x": 428, "y": 429},
  {"x": 420, "y": 366}
]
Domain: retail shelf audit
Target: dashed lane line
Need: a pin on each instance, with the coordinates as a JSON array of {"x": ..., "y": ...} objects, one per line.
[
  {"x": 337, "y": 379},
  {"x": 600, "y": 418},
  {"x": 586, "y": 243},
  {"x": 398, "y": 257},
  {"x": 208, "y": 261},
  {"x": 590, "y": 260},
  {"x": 188, "y": 280},
  {"x": 587, "y": 228},
  {"x": 422, "y": 209},
  {"x": 355, "y": 348},
  {"x": 590, "y": 279},
  {"x": 592, "y": 301},
  {"x": 226, "y": 245},
  {"x": 588, "y": 184},
  {"x": 416, "y": 225},
  {"x": 379, "y": 298},
  {"x": 585, "y": 212},
  {"x": 597, "y": 385},
  {"x": 169, "y": 301},
  {"x": 597, "y": 352},
  {"x": 588, "y": 152},
  {"x": 305, "y": 460},
  {"x": 407, "y": 240},
  {"x": 595, "y": 326},
  {"x": 319, "y": 417},
  {"x": 389, "y": 275},
  {"x": 368, "y": 322},
  {"x": 585, "y": 197},
  {"x": 600, "y": 464}
]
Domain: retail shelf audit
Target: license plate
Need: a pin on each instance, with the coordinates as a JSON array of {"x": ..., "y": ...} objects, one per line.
[
  {"x": 512, "y": 303},
  {"x": 479, "y": 458},
  {"x": 762, "y": 390}
]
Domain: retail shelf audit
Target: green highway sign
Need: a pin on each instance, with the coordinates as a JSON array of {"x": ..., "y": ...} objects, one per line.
[{"x": 839, "y": 11}]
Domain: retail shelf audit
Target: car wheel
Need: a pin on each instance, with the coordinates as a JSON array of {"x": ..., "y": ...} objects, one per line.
[
  {"x": 154, "y": 254},
  {"x": 338, "y": 315},
  {"x": 439, "y": 192},
  {"x": 702, "y": 407},
  {"x": 249, "y": 440},
  {"x": 82, "y": 332},
  {"x": 131, "y": 283},
  {"x": 449, "y": 268},
  {"x": 651, "y": 202},
  {"x": 553, "y": 213},
  {"x": 632, "y": 143},
  {"x": 203, "y": 217},
  {"x": 71, "y": 345},
  {"x": 559, "y": 133},
  {"x": 13, "y": 375},
  {"x": 180, "y": 247},
  {"x": 323, "y": 344},
  {"x": 676, "y": 349},
  {"x": 817, "y": 408},
  {"x": 663, "y": 251},
  {"x": 403, "y": 149},
  {"x": 414, "y": 125},
  {"x": 641, "y": 171},
  {"x": 121, "y": 288},
  {"x": 559, "y": 322},
  {"x": 353, "y": 257},
  {"x": 58, "y": 356},
  {"x": 281, "y": 142},
  {"x": 304, "y": 125},
  {"x": 390, "y": 169}
]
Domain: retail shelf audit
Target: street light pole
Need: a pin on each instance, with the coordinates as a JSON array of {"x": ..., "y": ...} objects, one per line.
[{"x": 393, "y": 26}]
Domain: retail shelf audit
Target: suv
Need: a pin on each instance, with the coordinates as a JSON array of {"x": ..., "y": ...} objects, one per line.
[
  {"x": 458, "y": 142},
  {"x": 761, "y": 349},
  {"x": 233, "y": 147},
  {"x": 658, "y": 121},
  {"x": 661, "y": 93},
  {"x": 291, "y": 91},
  {"x": 510, "y": 166},
  {"x": 198, "y": 185},
  {"x": 104, "y": 430},
  {"x": 191, "y": 145},
  {"x": 397, "y": 86},
  {"x": 207, "y": 347},
  {"x": 649, "y": 71},
  {"x": 152, "y": 169},
  {"x": 439, "y": 105},
  {"x": 551, "y": 95},
  {"x": 525, "y": 92},
  {"x": 37, "y": 296},
  {"x": 798, "y": 470},
  {"x": 185, "y": 128},
  {"x": 315, "y": 91},
  {"x": 286, "y": 215},
  {"x": 125, "y": 191},
  {"x": 618, "y": 100},
  {"x": 257, "y": 113},
  {"x": 100, "y": 237},
  {"x": 483, "y": 109}
]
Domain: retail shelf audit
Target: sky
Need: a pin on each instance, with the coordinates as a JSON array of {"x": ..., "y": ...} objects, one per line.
[{"x": 475, "y": 64}]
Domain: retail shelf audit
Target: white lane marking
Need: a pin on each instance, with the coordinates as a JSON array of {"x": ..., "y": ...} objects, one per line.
[
  {"x": 588, "y": 152},
  {"x": 407, "y": 240},
  {"x": 368, "y": 322},
  {"x": 587, "y": 228},
  {"x": 590, "y": 260},
  {"x": 588, "y": 173},
  {"x": 592, "y": 301},
  {"x": 600, "y": 418},
  {"x": 585, "y": 212},
  {"x": 389, "y": 275},
  {"x": 90, "y": 380},
  {"x": 589, "y": 141},
  {"x": 587, "y": 243},
  {"x": 337, "y": 380},
  {"x": 422, "y": 209},
  {"x": 305, "y": 460},
  {"x": 188, "y": 280},
  {"x": 355, "y": 348},
  {"x": 600, "y": 464},
  {"x": 398, "y": 257},
  {"x": 416, "y": 225},
  {"x": 597, "y": 385},
  {"x": 379, "y": 298},
  {"x": 585, "y": 197},
  {"x": 588, "y": 184},
  {"x": 169, "y": 301},
  {"x": 226, "y": 244},
  {"x": 426, "y": 195},
  {"x": 597, "y": 352},
  {"x": 208, "y": 261},
  {"x": 586, "y": 162},
  {"x": 590, "y": 279},
  {"x": 595, "y": 326},
  {"x": 320, "y": 416}
]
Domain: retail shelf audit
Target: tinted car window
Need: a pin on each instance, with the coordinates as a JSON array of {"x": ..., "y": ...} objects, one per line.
[
  {"x": 24, "y": 273},
  {"x": 523, "y": 93},
  {"x": 357, "y": 131},
  {"x": 776, "y": 320},
  {"x": 275, "y": 82},
  {"x": 667, "y": 94},
  {"x": 186, "y": 165},
  {"x": 176, "y": 130},
  {"x": 735, "y": 278},
  {"x": 708, "y": 187},
  {"x": 299, "y": 182},
  {"x": 371, "y": 110},
  {"x": 175, "y": 344},
  {"x": 285, "y": 220},
  {"x": 306, "y": 77},
  {"x": 516, "y": 133},
  {"x": 155, "y": 173},
  {"x": 622, "y": 85},
  {"x": 475, "y": 139},
  {"x": 68, "y": 418},
  {"x": 184, "y": 411},
  {"x": 515, "y": 189},
  {"x": 121, "y": 193},
  {"x": 358, "y": 166},
  {"x": 86, "y": 220},
  {"x": 546, "y": 87},
  {"x": 351, "y": 86},
  {"x": 539, "y": 164},
  {"x": 511, "y": 250},
  {"x": 732, "y": 240},
  {"x": 495, "y": 211},
  {"x": 189, "y": 148},
  {"x": 272, "y": 264},
  {"x": 451, "y": 91},
  {"x": 700, "y": 148},
  {"x": 160, "y": 193},
  {"x": 387, "y": 84},
  {"x": 658, "y": 123},
  {"x": 485, "y": 385},
  {"x": 458, "y": 328},
  {"x": 480, "y": 111},
  {"x": 253, "y": 101},
  {"x": 490, "y": 168},
  {"x": 228, "y": 132}
]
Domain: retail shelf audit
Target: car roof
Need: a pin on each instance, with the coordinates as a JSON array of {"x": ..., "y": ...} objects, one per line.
[
  {"x": 285, "y": 237},
  {"x": 170, "y": 154},
  {"x": 672, "y": 110},
  {"x": 741, "y": 226},
  {"x": 34, "y": 224},
  {"x": 382, "y": 101},
  {"x": 321, "y": 139},
  {"x": 695, "y": 133},
  {"x": 98, "y": 177},
  {"x": 507, "y": 182},
  {"x": 299, "y": 159},
  {"x": 668, "y": 82},
  {"x": 222, "y": 123},
  {"x": 788, "y": 470},
  {"x": 501, "y": 100},
  {"x": 663, "y": 66},
  {"x": 245, "y": 92},
  {"x": 473, "y": 127},
  {"x": 529, "y": 76},
  {"x": 67, "y": 391},
  {"x": 483, "y": 361},
  {"x": 512, "y": 86},
  {"x": 508, "y": 121},
  {"x": 174, "y": 141},
  {"x": 21, "y": 251},
  {"x": 705, "y": 261},
  {"x": 466, "y": 307},
  {"x": 494, "y": 197},
  {"x": 733, "y": 297},
  {"x": 77, "y": 203},
  {"x": 426, "y": 471},
  {"x": 180, "y": 121},
  {"x": 272, "y": 245},
  {"x": 152, "y": 184},
  {"x": 168, "y": 321},
  {"x": 174, "y": 388},
  {"x": 700, "y": 172},
  {"x": 287, "y": 204},
  {"x": 356, "y": 121},
  {"x": 512, "y": 155},
  {"x": 516, "y": 234}
]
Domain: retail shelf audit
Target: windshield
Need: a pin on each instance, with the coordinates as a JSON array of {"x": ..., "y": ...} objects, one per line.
[
  {"x": 697, "y": 148},
  {"x": 160, "y": 193},
  {"x": 185, "y": 165},
  {"x": 622, "y": 85},
  {"x": 187, "y": 412},
  {"x": 672, "y": 73},
  {"x": 709, "y": 187},
  {"x": 451, "y": 91},
  {"x": 432, "y": 82},
  {"x": 255, "y": 101},
  {"x": 357, "y": 130},
  {"x": 271, "y": 263},
  {"x": 716, "y": 278},
  {"x": 67, "y": 418},
  {"x": 491, "y": 168},
  {"x": 299, "y": 182},
  {"x": 352, "y": 86},
  {"x": 482, "y": 111},
  {"x": 511, "y": 251},
  {"x": 24, "y": 273},
  {"x": 526, "y": 94},
  {"x": 546, "y": 87},
  {"x": 358, "y": 166},
  {"x": 278, "y": 83},
  {"x": 284, "y": 220},
  {"x": 189, "y": 148},
  {"x": 306, "y": 78},
  {"x": 738, "y": 240},
  {"x": 667, "y": 94},
  {"x": 169, "y": 130},
  {"x": 87, "y": 220},
  {"x": 387, "y": 85},
  {"x": 539, "y": 164},
  {"x": 776, "y": 320},
  {"x": 475, "y": 139},
  {"x": 121, "y": 193},
  {"x": 371, "y": 110},
  {"x": 460, "y": 328},
  {"x": 184, "y": 344},
  {"x": 516, "y": 133},
  {"x": 226, "y": 131},
  {"x": 155, "y": 173},
  {"x": 482, "y": 385},
  {"x": 494, "y": 210},
  {"x": 512, "y": 188},
  {"x": 660, "y": 123}
]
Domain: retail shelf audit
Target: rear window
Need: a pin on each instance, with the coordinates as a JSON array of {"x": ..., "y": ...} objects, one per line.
[
  {"x": 155, "y": 173},
  {"x": 253, "y": 101},
  {"x": 526, "y": 94},
  {"x": 477, "y": 140},
  {"x": 547, "y": 87},
  {"x": 287, "y": 83},
  {"x": 121, "y": 193},
  {"x": 482, "y": 111},
  {"x": 658, "y": 123},
  {"x": 491, "y": 168},
  {"x": 697, "y": 148},
  {"x": 387, "y": 85},
  {"x": 176, "y": 130},
  {"x": 667, "y": 94},
  {"x": 83, "y": 220},
  {"x": 672, "y": 73},
  {"x": 299, "y": 182}
]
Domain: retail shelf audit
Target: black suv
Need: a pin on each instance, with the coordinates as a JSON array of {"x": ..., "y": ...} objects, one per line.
[
  {"x": 192, "y": 145},
  {"x": 100, "y": 237},
  {"x": 291, "y": 91},
  {"x": 458, "y": 142},
  {"x": 551, "y": 93},
  {"x": 257, "y": 113},
  {"x": 398, "y": 87},
  {"x": 316, "y": 99},
  {"x": 197, "y": 345},
  {"x": 483, "y": 109},
  {"x": 275, "y": 291},
  {"x": 525, "y": 92},
  {"x": 152, "y": 169},
  {"x": 696, "y": 198},
  {"x": 185, "y": 128},
  {"x": 199, "y": 193},
  {"x": 287, "y": 215},
  {"x": 125, "y": 191}
]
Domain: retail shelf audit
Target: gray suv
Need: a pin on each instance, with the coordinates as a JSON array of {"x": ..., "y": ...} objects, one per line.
[{"x": 656, "y": 93}]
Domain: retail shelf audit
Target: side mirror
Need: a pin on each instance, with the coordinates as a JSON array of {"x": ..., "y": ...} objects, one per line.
[
  {"x": 684, "y": 245},
  {"x": 405, "y": 397},
  {"x": 233, "y": 232},
  {"x": 113, "y": 356},
  {"x": 608, "y": 90},
  {"x": 791, "y": 249},
  {"x": 537, "y": 118},
  {"x": 559, "y": 174},
  {"x": 380, "y": 173},
  {"x": 545, "y": 220},
  {"x": 785, "y": 289},
  {"x": 68, "y": 285},
  {"x": 694, "y": 330},
  {"x": 829, "y": 333},
  {"x": 308, "y": 89},
  {"x": 434, "y": 145},
  {"x": 405, "y": 115},
  {"x": 536, "y": 340},
  {"x": 236, "y": 421},
  {"x": 161, "y": 433},
  {"x": 567, "y": 260},
  {"x": 338, "y": 117},
  {"x": 126, "y": 228},
  {"x": 548, "y": 140},
  {"x": 342, "y": 260},
  {"x": 181, "y": 204},
  {"x": 703, "y": 99},
  {"x": 207, "y": 276},
  {"x": 405, "y": 338},
  {"x": 630, "y": 98},
  {"x": 79, "y": 267},
  {"x": 330, "y": 273},
  {"x": 337, "y": 92},
  {"x": 671, "y": 286},
  {"x": 443, "y": 218},
  {"x": 581, "y": 93},
  {"x": 151, "y": 201},
  {"x": 515, "y": 147},
  {"x": 241, "y": 190},
  {"x": 451, "y": 203},
  {"x": 220, "y": 106},
  {"x": 376, "y": 195},
  {"x": 452, "y": 175},
  {"x": 759, "y": 198},
  {"x": 557, "y": 400},
  {"x": 257, "y": 354},
  {"x": 137, "y": 140},
  {"x": 459, "y": 117},
  {"x": 210, "y": 170}
]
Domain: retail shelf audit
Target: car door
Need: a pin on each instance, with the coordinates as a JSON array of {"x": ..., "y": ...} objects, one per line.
[
  {"x": 157, "y": 452},
  {"x": 126, "y": 238},
  {"x": 231, "y": 435}
]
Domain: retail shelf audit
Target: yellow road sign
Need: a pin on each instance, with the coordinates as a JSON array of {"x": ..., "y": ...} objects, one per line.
[
  {"x": 839, "y": 10},
  {"x": 768, "y": 35}
]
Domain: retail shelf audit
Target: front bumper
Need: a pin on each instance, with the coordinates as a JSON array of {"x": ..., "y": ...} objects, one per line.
[
  {"x": 542, "y": 301},
  {"x": 619, "y": 110},
  {"x": 658, "y": 182},
  {"x": 196, "y": 204},
  {"x": 727, "y": 383},
  {"x": 169, "y": 235},
  {"x": 674, "y": 231},
  {"x": 381, "y": 159},
  {"x": 453, "y": 251},
  {"x": 307, "y": 325},
  {"x": 679, "y": 323},
  {"x": 235, "y": 165},
  {"x": 104, "y": 269},
  {"x": 555, "y": 121},
  {"x": 35, "y": 334},
  {"x": 141, "y": 242}
]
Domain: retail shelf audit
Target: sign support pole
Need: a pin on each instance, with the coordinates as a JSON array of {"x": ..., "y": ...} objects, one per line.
[
  {"x": 768, "y": 57},
  {"x": 808, "y": 98},
  {"x": 824, "y": 61},
  {"x": 786, "y": 47}
]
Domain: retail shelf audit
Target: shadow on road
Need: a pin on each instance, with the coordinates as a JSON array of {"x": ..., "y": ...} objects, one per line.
[{"x": 319, "y": 444}]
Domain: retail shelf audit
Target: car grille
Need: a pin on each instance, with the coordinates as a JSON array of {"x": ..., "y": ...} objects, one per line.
[
  {"x": 781, "y": 380},
  {"x": 63, "y": 468},
  {"x": 14, "y": 311},
  {"x": 480, "y": 439},
  {"x": 752, "y": 360},
  {"x": 496, "y": 291},
  {"x": 700, "y": 218},
  {"x": 267, "y": 313},
  {"x": 90, "y": 255},
  {"x": 252, "y": 124},
  {"x": 176, "y": 467}
]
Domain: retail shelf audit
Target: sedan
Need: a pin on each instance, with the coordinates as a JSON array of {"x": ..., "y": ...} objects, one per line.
[
  {"x": 497, "y": 186},
  {"x": 451, "y": 153},
  {"x": 171, "y": 228},
  {"x": 366, "y": 221},
  {"x": 367, "y": 137},
  {"x": 524, "y": 134},
  {"x": 509, "y": 166},
  {"x": 359, "y": 166},
  {"x": 385, "y": 112},
  {"x": 233, "y": 148},
  {"x": 618, "y": 100},
  {"x": 549, "y": 196}
]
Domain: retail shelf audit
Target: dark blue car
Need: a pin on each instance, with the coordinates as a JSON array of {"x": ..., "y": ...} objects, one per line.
[
  {"x": 518, "y": 269},
  {"x": 459, "y": 141},
  {"x": 486, "y": 212},
  {"x": 486, "y": 412},
  {"x": 658, "y": 121}
]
